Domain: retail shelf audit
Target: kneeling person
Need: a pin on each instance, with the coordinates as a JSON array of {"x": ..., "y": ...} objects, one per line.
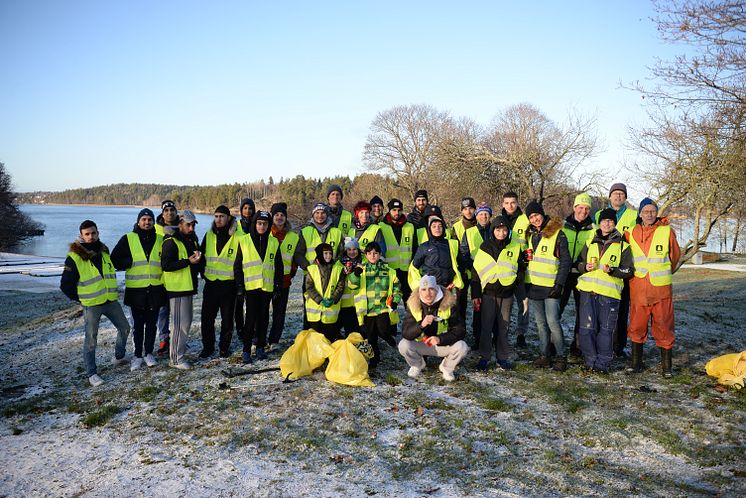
[{"x": 432, "y": 327}]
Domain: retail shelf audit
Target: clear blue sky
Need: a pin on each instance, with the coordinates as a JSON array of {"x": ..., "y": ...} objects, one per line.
[{"x": 196, "y": 92}]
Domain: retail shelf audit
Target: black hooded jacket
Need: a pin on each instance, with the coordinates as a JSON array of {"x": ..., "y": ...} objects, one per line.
[
  {"x": 494, "y": 247},
  {"x": 170, "y": 260},
  {"x": 261, "y": 242},
  {"x": 325, "y": 269},
  {"x": 147, "y": 298},
  {"x": 434, "y": 258}
]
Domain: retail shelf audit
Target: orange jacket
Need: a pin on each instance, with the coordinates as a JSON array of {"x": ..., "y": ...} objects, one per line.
[{"x": 641, "y": 291}]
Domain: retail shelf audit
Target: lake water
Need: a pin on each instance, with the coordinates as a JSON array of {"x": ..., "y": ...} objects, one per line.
[{"x": 61, "y": 226}]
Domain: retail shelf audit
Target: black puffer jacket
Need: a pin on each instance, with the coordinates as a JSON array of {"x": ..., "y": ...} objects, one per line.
[
  {"x": 148, "y": 298},
  {"x": 434, "y": 258}
]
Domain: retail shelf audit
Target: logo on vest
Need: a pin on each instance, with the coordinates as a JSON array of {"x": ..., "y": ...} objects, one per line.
[
  {"x": 659, "y": 248},
  {"x": 510, "y": 254},
  {"x": 543, "y": 248},
  {"x": 612, "y": 258},
  {"x": 406, "y": 239},
  {"x": 230, "y": 252}
]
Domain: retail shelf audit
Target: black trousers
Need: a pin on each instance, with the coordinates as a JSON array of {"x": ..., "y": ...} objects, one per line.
[
  {"x": 144, "y": 327},
  {"x": 257, "y": 318},
  {"x": 279, "y": 309},
  {"x": 571, "y": 289},
  {"x": 330, "y": 330},
  {"x": 218, "y": 296},
  {"x": 373, "y": 328},
  {"x": 348, "y": 320}
]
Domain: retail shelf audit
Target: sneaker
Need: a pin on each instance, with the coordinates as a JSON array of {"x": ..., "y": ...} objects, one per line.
[
  {"x": 504, "y": 365},
  {"x": 447, "y": 376},
  {"x": 560, "y": 364},
  {"x": 225, "y": 353},
  {"x": 163, "y": 349},
  {"x": 182, "y": 365},
  {"x": 253, "y": 350},
  {"x": 135, "y": 364},
  {"x": 414, "y": 372},
  {"x": 520, "y": 341},
  {"x": 542, "y": 362},
  {"x": 271, "y": 347},
  {"x": 246, "y": 358},
  {"x": 118, "y": 361},
  {"x": 260, "y": 354},
  {"x": 95, "y": 380},
  {"x": 206, "y": 353},
  {"x": 482, "y": 365},
  {"x": 150, "y": 361}
]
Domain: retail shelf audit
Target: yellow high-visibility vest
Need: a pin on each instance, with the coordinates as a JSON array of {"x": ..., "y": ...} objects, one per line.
[
  {"x": 519, "y": 231},
  {"x": 598, "y": 281},
  {"x": 312, "y": 238},
  {"x": 504, "y": 269},
  {"x": 414, "y": 274},
  {"x": 95, "y": 288},
  {"x": 145, "y": 271},
  {"x": 220, "y": 266},
  {"x": 543, "y": 268},
  {"x": 577, "y": 240},
  {"x": 345, "y": 221},
  {"x": 626, "y": 222},
  {"x": 367, "y": 237},
  {"x": 258, "y": 273},
  {"x": 316, "y": 312},
  {"x": 444, "y": 315},
  {"x": 179, "y": 280},
  {"x": 287, "y": 250},
  {"x": 657, "y": 262},
  {"x": 398, "y": 253}
]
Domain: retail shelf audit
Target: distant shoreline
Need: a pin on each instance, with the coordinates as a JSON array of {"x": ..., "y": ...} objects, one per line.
[{"x": 136, "y": 206}]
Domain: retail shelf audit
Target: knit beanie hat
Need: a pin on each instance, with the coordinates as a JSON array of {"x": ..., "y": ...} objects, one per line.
[
  {"x": 607, "y": 214},
  {"x": 500, "y": 221},
  {"x": 334, "y": 188},
  {"x": 483, "y": 206},
  {"x": 468, "y": 202},
  {"x": 279, "y": 207},
  {"x": 420, "y": 193},
  {"x": 320, "y": 206},
  {"x": 264, "y": 215},
  {"x": 534, "y": 207},
  {"x": 223, "y": 209},
  {"x": 145, "y": 212},
  {"x": 395, "y": 203},
  {"x": 618, "y": 186},
  {"x": 582, "y": 199},
  {"x": 646, "y": 201},
  {"x": 168, "y": 203},
  {"x": 351, "y": 243},
  {"x": 376, "y": 200}
]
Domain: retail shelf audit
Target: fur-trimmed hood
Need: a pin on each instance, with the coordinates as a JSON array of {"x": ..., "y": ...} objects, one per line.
[
  {"x": 414, "y": 303},
  {"x": 86, "y": 254},
  {"x": 551, "y": 226}
]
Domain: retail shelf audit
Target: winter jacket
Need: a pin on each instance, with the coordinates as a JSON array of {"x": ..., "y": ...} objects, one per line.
[
  {"x": 70, "y": 275},
  {"x": 260, "y": 244},
  {"x": 376, "y": 286},
  {"x": 579, "y": 229},
  {"x": 279, "y": 234},
  {"x": 325, "y": 269},
  {"x": 625, "y": 270},
  {"x": 300, "y": 250},
  {"x": 494, "y": 247},
  {"x": 412, "y": 330},
  {"x": 548, "y": 229},
  {"x": 434, "y": 258},
  {"x": 417, "y": 218},
  {"x": 147, "y": 298},
  {"x": 244, "y": 224},
  {"x": 641, "y": 291},
  {"x": 222, "y": 236},
  {"x": 170, "y": 257}
]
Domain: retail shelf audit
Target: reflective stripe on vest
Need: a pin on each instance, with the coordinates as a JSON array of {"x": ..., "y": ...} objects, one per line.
[
  {"x": 504, "y": 269},
  {"x": 598, "y": 281},
  {"x": 312, "y": 239},
  {"x": 444, "y": 315},
  {"x": 398, "y": 253},
  {"x": 220, "y": 266},
  {"x": 144, "y": 271},
  {"x": 518, "y": 232},
  {"x": 287, "y": 250},
  {"x": 179, "y": 280},
  {"x": 93, "y": 287},
  {"x": 367, "y": 237},
  {"x": 657, "y": 263},
  {"x": 543, "y": 268},
  {"x": 316, "y": 312},
  {"x": 258, "y": 273}
]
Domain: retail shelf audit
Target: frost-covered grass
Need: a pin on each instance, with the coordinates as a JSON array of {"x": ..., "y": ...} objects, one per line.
[{"x": 526, "y": 432}]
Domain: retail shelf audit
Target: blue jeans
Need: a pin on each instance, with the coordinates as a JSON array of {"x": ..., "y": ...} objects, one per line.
[
  {"x": 547, "y": 315},
  {"x": 598, "y": 319},
  {"x": 163, "y": 313},
  {"x": 92, "y": 316}
]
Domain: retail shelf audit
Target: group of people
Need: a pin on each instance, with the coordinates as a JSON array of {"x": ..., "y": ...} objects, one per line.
[{"x": 359, "y": 265}]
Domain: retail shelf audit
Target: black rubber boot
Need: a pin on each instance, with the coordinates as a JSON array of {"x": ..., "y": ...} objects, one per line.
[
  {"x": 635, "y": 365},
  {"x": 666, "y": 367}
]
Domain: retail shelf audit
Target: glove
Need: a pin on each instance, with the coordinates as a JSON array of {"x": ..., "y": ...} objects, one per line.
[
  {"x": 327, "y": 302},
  {"x": 556, "y": 291},
  {"x": 358, "y": 270}
]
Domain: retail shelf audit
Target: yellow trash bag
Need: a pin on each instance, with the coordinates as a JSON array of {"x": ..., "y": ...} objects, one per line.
[
  {"x": 347, "y": 364},
  {"x": 307, "y": 353},
  {"x": 730, "y": 369}
]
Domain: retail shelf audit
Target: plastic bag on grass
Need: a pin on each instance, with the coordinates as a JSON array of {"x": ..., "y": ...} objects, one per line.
[
  {"x": 347, "y": 364},
  {"x": 307, "y": 353},
  {"x": 730, "y": 369}
]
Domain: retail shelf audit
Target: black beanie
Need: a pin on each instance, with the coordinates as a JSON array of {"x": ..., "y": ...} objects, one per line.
[
  {"x": 279, "y": 207},
  {"x": 223, "y": 209},
  {"x": 263, "y": 215},
  {"x": 376, "y": 200},
  {"x": 332, "y": 188},
  {"x": 421, "y": 193},
  {"x": 533, "y": 207},
  {"x": 395, "y": 203},
  {"x": 145, "y": 212},
  {"x": 607, "y": 214}
]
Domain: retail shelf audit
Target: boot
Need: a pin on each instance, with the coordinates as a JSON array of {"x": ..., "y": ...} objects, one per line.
[
  {"x": 635, "y": 365},
  {"x": 666, "y": 362}
]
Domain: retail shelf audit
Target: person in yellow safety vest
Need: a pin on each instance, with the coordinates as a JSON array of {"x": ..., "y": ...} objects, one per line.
[
  {"x": 89, "y": 278},
  {"x": 625, "y": 219},
  {"x": 219, "y": 247},
  {"x": 438, "y": 257},
  {"x": 138, "y": 253},
  {"x": 376, "y": 295},
  {"x": 288, "y": 239},
  {"x": 258, "y": 272},
  {"x": 320, "y": 228},
  {"x": 518, "y": 227},
  {"x": 341, "y": 218},
  {"x": 181, "y": 262},
  {"x": 498, "y": 266},
  {"x": 350, "y": 261},
  {"x": 432, "y": 327},
  {"x": 548, "y": 267},
  {"x": 604, "y": 263},
  {"x": 467, "y": 219},
  {"x": 247, "y": 209},
  {"x": 401, "y": 243},
  {"x": 417, "y": 217},
  {"x": 469, "y": 244},
  {"x": 169, "y": 217},
  {"x": 376, "y": 209},
  {"x": 656, "y": 254},
  {"x": 578, "y": 229},
  {"x": 323, "y": 291},
  {"x": 363, "y": 228}
]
